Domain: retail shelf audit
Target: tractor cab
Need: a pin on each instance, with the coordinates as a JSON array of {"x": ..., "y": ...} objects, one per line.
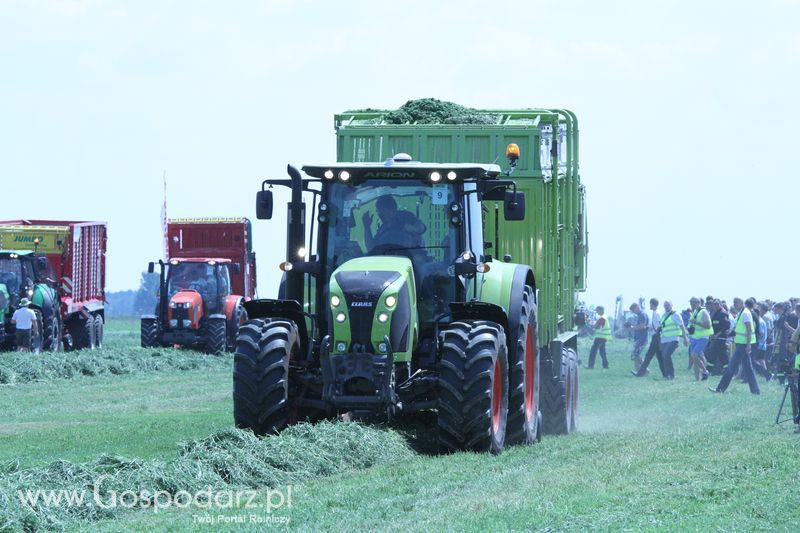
[{"x": 198, "y": 284}]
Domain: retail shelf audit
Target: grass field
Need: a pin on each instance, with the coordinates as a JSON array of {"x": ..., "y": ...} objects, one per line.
[{"x": 650, "y": 454}]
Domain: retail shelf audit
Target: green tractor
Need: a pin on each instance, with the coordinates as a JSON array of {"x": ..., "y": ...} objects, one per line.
[
  {"x": 25, "y": 274},
  {"x": 394, "y": 318}
]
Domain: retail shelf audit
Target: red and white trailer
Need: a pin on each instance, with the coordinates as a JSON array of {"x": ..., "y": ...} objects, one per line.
[{"x": 75, "y": 269}]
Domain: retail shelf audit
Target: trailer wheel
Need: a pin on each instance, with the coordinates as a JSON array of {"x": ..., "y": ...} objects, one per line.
[
  {"x": 215, "y": 335},
  {"x": 149, "y": 333},
  {"x": 473, "y": 387},
  {"x": 523, "y": 366},
  {"x": 98, "y": 331},
  {"x": 51, "y": 340},
  {"x": 560, "y": 394},
  {"x": 261, "y": 374},
  {"x": 82, "y": 332}
]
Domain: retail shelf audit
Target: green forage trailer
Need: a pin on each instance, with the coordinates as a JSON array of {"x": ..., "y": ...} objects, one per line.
[{"x": 430, "y": 267}]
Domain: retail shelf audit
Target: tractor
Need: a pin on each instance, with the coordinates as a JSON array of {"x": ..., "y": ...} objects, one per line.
[
  {"x": 25, "y": 274},
  {"x": 400, "y": 309},
  {"x": 195, "y": 306}
]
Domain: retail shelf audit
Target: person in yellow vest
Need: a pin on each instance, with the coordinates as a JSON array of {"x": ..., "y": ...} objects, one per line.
[
  {"x": 744, "y": 337},
  {"x": 602, "y": 335},
  {"x": 671, "y": 330},
  {"x": 700, "y": 331}
]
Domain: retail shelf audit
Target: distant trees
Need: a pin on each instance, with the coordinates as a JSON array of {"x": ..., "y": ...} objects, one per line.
[{"x": 147, "y": 295}]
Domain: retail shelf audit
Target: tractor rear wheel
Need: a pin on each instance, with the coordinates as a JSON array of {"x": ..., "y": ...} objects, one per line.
[
  {"x": 237, "y": 320},
  {"x": 51, "y": 339},
  {"x": 560, "y": 394},
  {"x": 149, "y": 333},
  {"x": 261, "y": 374},
  {"x": 473, "y": 387},
  {"x": 523, "y": 366},
  {"x": 215, "y": 335},
  {"x": 98, "y": 331}
]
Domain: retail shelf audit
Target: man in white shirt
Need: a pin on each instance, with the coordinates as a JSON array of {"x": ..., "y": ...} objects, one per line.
[
  {"x": 655, "y": 342},
  {"x": 25, "y": 321}
]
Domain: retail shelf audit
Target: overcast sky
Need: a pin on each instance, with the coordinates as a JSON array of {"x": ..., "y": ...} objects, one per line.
[{"x": 686, "y": 110}]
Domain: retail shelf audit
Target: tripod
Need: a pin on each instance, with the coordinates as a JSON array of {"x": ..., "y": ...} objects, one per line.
[{"x": 790, "y": 386}]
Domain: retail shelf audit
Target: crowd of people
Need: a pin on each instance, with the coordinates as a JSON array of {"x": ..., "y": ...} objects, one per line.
[{"x": 743, "y": 339}]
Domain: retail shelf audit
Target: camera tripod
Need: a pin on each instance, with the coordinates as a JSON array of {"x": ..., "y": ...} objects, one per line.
[{"x": 789, "y": 387}]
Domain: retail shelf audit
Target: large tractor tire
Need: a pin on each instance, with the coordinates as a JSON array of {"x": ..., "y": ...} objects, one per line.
[
  {"x": 560, "y": 394},
  {"x": 216, "y": 336},
  {"x": 261, "y": 374},
  {"x": 51, "y": 338},
  {"x": 473, "y": 387},
  {"x": 523, "y": 367},
  {"x": 82, "y": 332},
  {"x": 149, "y": 333},
  {"x": 99, "y": 331},
  {"x": 237, "y": 320}
]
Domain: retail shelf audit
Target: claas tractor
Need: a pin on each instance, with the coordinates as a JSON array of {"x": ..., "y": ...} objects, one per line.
[
  {"x": 399, "y": 309},
  {"x": 195, "y": 306}
]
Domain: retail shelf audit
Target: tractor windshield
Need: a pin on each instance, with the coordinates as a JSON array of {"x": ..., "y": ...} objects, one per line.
[
  {"x": 199, "y": 277},
  {"x": 406, "y": 218},
  {"x": 11, "y": 274}
]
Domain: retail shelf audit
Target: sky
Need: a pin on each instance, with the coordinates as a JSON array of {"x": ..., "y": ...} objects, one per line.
[{"x": 686, "y": 111}]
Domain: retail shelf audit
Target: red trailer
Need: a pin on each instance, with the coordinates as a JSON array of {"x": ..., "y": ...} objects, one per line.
[
  {"x": 60, "y": 266},
  {"x": 209, "y": 274},
  {"x": 229, "y": 238}
]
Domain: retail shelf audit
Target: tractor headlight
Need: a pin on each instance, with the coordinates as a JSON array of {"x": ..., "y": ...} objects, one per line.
[
  {"x": 187, "y": 305},
  {"x": 341, "y": 347},
  {"x": 382, "y": 347},
  {"x": 29, "y": 293},
  {"x": 328, "y": 174},
  {"x": 383, "y": 318},
  {"x": 173, "y": 323},
  {"x": 344, "y": 175},
  {"x": 436, "y": 177},
  {"x": 173, "y": 305},
  {"x": 451, "y": 175},
  {"x": 341, "y": 317},
  {"x": 391, "y": 300},
  {"x": 335, "y": 301}
]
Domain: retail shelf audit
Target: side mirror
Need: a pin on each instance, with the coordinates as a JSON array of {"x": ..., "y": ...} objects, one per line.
[
  {"x": 264, "y": 205},
  {"x": 151, "y": 267},
  {"x": 237, "y": 268},
  {"x": 514, "y": 205}
]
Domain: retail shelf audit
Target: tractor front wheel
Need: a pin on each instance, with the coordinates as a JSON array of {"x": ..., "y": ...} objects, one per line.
[
  {"x": 149, "y": 333},
  {"x": 473, "y": 387},
  {"x": 215, "y": 335},
  {"x": 261, "y": 374},
  {"x": 237, "y": 320},
  {"x": 51, "y": 339}
]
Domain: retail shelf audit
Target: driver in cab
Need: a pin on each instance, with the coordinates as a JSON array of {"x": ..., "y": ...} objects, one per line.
[{"x": 399, "y": 228}]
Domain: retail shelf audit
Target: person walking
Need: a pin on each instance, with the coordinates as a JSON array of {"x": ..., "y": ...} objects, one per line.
[
  {"x": 672, "y": 329},
  {"x": 655, "y": 342},
  {"x": 743, "y": 340},
  {"x": 700, "y": 331},
  {"x": 718, "y": 343},
  {"x": 639, "y": 329},
  {"x": 601, "y": 337},
  {"x": 24, "y": 319},
  {"x": 759, "y": 353}
]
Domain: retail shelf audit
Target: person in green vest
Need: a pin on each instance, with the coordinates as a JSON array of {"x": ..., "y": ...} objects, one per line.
[
  {"x": 700, "y": 331},
  {"x": 744, "y": 337},
  {"x": 601, "y": 336},
  {"x": 671, "y": 329}
]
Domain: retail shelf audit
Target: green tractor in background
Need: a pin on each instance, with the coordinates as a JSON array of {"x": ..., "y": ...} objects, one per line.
[
  {"x": 414, "y": 315},
  {"x": 25, "y": 274}
]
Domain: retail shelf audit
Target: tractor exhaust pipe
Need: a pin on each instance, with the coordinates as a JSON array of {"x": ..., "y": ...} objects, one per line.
[{"x": 296, "y": 236}]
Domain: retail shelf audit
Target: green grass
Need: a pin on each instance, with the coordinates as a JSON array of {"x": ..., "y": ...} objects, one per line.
[{"x": 650, "y": 454}]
